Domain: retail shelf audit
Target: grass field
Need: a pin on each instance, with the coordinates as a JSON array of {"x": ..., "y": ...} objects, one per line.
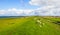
[{"x": 33, "y": 25}]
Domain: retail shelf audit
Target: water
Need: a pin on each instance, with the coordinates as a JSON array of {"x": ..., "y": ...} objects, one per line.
[{"x": 10, "y": 16}]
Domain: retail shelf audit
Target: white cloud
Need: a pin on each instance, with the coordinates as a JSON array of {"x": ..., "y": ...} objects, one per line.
[
  {"x": 45, "y": 2},
  {"x": 46, "y": 10},
  {"x": 14, "y": 11},
  {"x": 48, "y": 7},
  {"x": 2, "y": 12},
  {"x": 19, "y": 12},
  {"x": 27, "y": 12}
]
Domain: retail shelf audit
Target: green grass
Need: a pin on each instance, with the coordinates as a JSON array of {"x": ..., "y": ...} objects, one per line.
[{"x": 29, "y": 26}]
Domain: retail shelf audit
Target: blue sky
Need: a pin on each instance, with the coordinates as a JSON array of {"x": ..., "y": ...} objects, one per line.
[
  {"x": 29, "y": 7},
  {"x": 19, "y": 4}
]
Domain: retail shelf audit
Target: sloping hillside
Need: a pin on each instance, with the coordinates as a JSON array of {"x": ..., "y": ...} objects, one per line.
[{"x": 29, "y": 26}]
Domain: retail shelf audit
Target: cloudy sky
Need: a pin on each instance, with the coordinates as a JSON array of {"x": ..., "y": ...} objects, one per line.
[{"x": 29, "y": 7}]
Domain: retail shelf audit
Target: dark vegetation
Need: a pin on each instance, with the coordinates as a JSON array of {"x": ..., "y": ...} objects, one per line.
[{"x": 56, "y": 22}]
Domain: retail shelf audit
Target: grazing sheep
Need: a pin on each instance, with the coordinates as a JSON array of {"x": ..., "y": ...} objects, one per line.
[
  {"x": 40, "y": 25},
  {"x": 38, "y": 21},
  {"x": 43, "y": 23},
  {"x": 35, "y": 18}
]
